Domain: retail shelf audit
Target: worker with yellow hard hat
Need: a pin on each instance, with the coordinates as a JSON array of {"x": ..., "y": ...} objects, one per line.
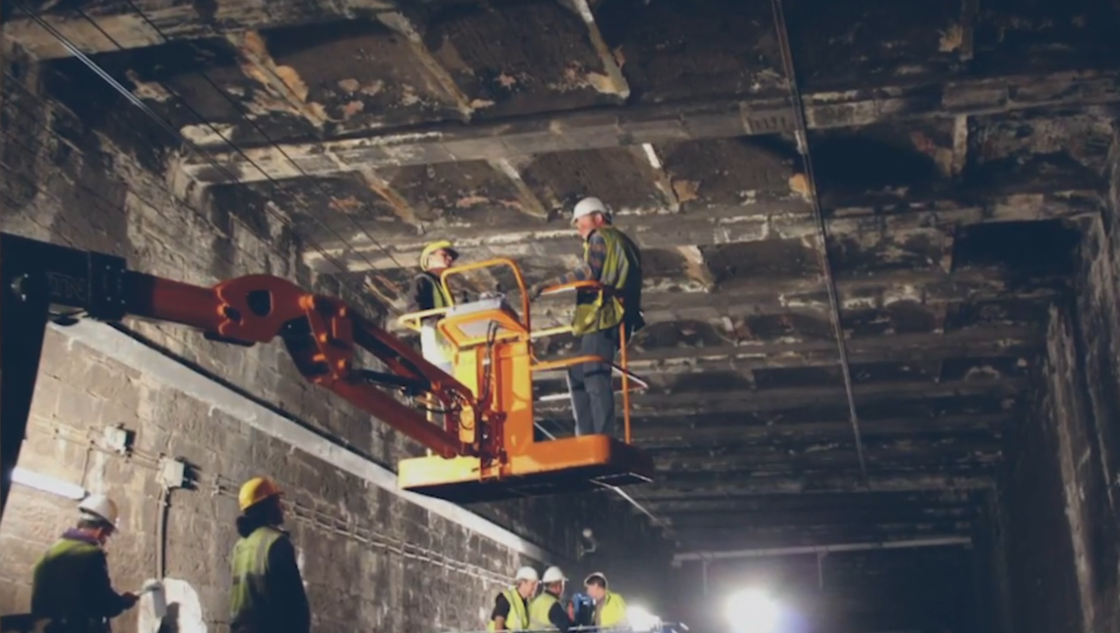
[
  {"x": 71, "y": 585},
  {"x": 610, "y": 608},
  {"x": 267, "y": 592},
  {"x": 428, "y": 293},
  {"x": 511, "y": 607}
]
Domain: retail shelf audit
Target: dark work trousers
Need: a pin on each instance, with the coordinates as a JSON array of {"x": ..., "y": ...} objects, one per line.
[{"x": 590, "y": 384}]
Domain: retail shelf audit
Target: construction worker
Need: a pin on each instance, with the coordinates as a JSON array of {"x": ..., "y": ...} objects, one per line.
[
  {"x": 612, "y": 259},
  {"x": 610, "y": 608},
  {"x": 71, "y": 585},
  {"x": 511, "y": 607},
  {"x": 428, "y": 293},
  {"x": 546, "y": 613},
  {"x": 267, "y": 593}
]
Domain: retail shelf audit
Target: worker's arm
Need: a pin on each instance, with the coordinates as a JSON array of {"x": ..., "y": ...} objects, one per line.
[
  {"x": 104, "y": 600},
  {"x": 558, "y": 616},
  {"x": 285, "y": 586},
  {"x": 500, "y": 612},
  {"x": 588, "y": 270}
]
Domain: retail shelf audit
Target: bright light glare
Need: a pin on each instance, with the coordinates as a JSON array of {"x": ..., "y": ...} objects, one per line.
[
  {"x": 752, "y": 611},
  {"x": 641, "y": 619},
  {"x": 48, "y": 484}
]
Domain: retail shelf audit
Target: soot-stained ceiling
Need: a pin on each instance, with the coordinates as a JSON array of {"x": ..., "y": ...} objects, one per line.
[{"x": 955, "y": 146}]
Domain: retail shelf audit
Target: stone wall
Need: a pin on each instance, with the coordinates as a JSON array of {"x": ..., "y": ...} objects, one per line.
[
  {"x": 1061, "y": 536},
  {"x": 371, "y": 560}
]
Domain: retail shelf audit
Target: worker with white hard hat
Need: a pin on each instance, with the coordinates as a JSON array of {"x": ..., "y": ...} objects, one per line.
[
  {"x": 614, "y": 260},
  {"x": 71, "y": 585},
  {"x": 511, "y": 607},
  {"x": 428, "y": 293},
  {"x": 546, "y": 612},
  {"x": 610, "y": 608},
  {"x": 267, "y": 592}
]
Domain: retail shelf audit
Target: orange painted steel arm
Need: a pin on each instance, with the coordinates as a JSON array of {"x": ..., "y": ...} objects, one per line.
[{"x": 321, "y": 334}]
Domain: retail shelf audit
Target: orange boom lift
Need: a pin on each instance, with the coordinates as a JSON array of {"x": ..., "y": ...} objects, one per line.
[{"x": 484, "y": 449}]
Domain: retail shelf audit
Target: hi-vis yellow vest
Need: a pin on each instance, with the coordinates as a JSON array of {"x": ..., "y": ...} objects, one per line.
[
  {"x": 613, "y": 611},
  {"x": 538, "y": 612},
  {"x": 518, "y": 619},
  {"x": 603, "y": 309},
  {"x": 439, "y": 296}
]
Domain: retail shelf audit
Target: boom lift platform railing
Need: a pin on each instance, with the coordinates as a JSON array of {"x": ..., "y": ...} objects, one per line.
[
  {"x": 493, "y": 356},
  {"x": 484, "y": 450}
]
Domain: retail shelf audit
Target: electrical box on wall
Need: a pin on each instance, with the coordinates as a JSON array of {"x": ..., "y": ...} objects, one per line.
[
  {"x": 172, "y": 473},
  {"x": 117, "y": 439}
]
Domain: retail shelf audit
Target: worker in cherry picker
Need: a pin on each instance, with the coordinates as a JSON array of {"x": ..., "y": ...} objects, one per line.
[
  {"x": 612, "y": 259},
  {"x": 546, "y": 612},
  {"x": 428, "y": 293},
  {"x": 610, "y": 608},
  {"x": 71, "y": 585},
  {"x": 267, "y": 593},
  {"x": 511, "y": 607}
]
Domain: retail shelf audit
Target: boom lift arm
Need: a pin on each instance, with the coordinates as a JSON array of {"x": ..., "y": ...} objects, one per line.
[
  {"x": 321, "y": 334},
  {"x": 486, "y": 447}
]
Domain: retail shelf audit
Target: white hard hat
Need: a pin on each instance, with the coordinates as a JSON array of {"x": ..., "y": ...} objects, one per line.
[
  {"x": 553, "y": 574},
  {"x": 99, "y": 507},
  {"x": 527, "y": 573},
  {"x": 587, "y": 206}
]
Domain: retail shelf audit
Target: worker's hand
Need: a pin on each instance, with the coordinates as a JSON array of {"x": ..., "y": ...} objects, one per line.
[
  {"x": 535, "y": 291},
  {"x": 130, "y": 599}
]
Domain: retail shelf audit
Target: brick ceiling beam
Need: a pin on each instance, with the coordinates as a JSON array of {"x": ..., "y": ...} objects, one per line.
[
  {"x": 701, "y": 227},
  {"x": 789, "y": 398},
  {"x": 746, "y": 483},
  {"x": 806, "y": 503},
  {"x": 890, "y": 453},
  {"x": 770, "y": 536},
  {"x": 654, "y": 434},
  {"x": 979, "y": 343},
  {"x": 804, "y": 295},
  {"x": 810, "y": 518},
  {"x": 612, "y": 127}
]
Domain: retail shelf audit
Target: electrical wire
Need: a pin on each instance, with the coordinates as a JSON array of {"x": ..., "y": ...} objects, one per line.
[
  {"x": 822, "y": 227},
  {"x": 243, "y": 111},
  {"x": 207, "y": 156},
  {"x": 222, "y": 485}
]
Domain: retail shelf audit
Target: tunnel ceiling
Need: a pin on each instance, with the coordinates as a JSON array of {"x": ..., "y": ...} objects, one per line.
[{"x": 956, "y": 147}]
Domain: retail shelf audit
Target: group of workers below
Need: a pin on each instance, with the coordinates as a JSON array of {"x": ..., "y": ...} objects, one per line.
[
  {"x": 609, "y": 258},
  {"x": 521, "y": 608},
  {"x": 71, "y": 586}
]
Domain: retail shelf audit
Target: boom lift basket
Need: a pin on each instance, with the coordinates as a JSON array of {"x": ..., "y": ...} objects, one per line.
[{"x": 493, "y": 357}]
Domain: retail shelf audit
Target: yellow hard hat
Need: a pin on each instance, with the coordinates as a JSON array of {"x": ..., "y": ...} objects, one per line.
[
  {"x": 436, "y": 246},
  {"x": 257, "y": 490}
]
